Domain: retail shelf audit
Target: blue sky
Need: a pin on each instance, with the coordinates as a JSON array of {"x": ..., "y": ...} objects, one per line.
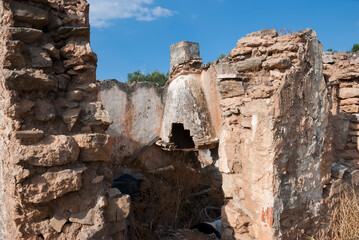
[{"x": 136, "y": 34}]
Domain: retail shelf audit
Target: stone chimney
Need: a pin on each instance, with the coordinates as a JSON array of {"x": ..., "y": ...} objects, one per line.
[{"x": 185, "y": 57}]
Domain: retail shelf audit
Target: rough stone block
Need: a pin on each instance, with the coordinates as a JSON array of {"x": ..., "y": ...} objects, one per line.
[
  {"x": 251, "y": 64},
  {"x": 183, "y": 52},
  {"x": 348, "y": 93},
  {"x": 84, "y": 217},
  {"x": 282, "y": 47},
  {"x": 20, "y": 108},
  {"x": 57, "y": 223},
  {"x": 118, "y": 209},
  {"x": 27, "y": 35},
  {"x": 229, "y": 89},
  {"x": 338, "y": 170},
  {"x": 29, "y": 136},
  {"x": 51, "y": 151},
  {"x": 50, "y": 48},
  {"x": 70, "y": 117},
  {"x": 44, "y": 111},
  {"x": 94, "y": 147},
  {"x": 328, "y": 58},
  {"x": 93, "y": 114},
  {"x": 280, "y": 63},
  {"x": 48, "y": 186},
  {"x": 29, "y": 14},
  {"x": 28, "y": 80},
  {"x": 264, "y": 32}
]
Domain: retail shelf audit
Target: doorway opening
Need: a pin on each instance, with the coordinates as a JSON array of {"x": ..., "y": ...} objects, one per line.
[{"x": 181, "y": 137}]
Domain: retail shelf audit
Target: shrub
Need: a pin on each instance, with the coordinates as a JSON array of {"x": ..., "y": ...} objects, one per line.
[
  {"x": 221, "y": 56},
  {"x": 355, "y": 48},
  {"x": 155, "y": 77}
]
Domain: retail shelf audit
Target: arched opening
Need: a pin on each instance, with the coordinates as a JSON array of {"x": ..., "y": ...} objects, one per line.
[{"x": 181, "y": 137}]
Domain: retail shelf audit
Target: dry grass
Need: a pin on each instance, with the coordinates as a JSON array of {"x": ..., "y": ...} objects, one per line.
[
  {"x": 345, "y": 225},
  {"x": 167, "y": 199}
]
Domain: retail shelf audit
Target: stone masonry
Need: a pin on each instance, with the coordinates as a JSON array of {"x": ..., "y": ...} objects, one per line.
[
  {"x": 277, "y": 117},
  {"x": 55, "y": 183}
]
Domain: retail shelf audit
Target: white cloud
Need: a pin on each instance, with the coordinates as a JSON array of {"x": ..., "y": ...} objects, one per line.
[{"x": 103, "y": 11}]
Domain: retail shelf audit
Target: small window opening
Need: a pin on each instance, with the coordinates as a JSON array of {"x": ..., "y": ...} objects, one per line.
[{"x": 181, "y": 137}]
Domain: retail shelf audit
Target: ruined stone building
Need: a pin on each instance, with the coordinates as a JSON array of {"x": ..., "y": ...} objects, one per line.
[{"x": 277, "y": 119}]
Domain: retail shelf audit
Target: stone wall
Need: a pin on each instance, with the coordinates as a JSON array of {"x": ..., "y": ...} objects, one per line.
[
  {"x": 136, "y": 112},
  {"x": 54, "y": 177},
  {"x": 273, "y": 105},
  {"x": 341, "y": 71},
  {"x": 267, "y": 105},
  {"x": 278, "y": 121}
]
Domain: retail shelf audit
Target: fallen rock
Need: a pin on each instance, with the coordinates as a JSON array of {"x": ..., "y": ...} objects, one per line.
[
  {"x": 51, "y": 185},
  {"x": 51, "y": 151},
  {"x": 44, "y": 111},
  {"x": 94, "y": 147}
]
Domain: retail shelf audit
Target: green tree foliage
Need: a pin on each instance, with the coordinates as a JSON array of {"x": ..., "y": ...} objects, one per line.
[
  {"x": 221, "y": 56},
  {"x": 155, "y": 77},
  {"x": 355, "y": 48}
]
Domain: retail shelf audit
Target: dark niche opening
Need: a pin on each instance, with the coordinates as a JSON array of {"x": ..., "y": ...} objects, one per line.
[{"x": 181, "y": 137}]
